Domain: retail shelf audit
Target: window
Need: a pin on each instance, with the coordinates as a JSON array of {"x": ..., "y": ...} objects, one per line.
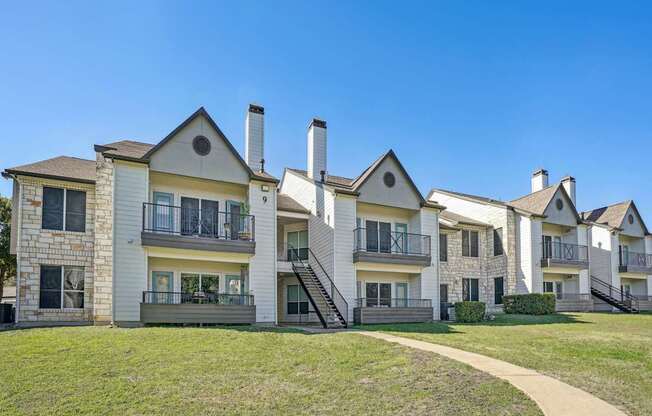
[
  {"x": 378, "y": 294},
  {"x": 470, "y": 243},
  {"x": 298, "y": 245},
  {"x": 201, "y": 145},
  {"x": 548, "y": 287},
  {"x": 559, "y": 204},
  {"x": 498, "y": 242},
  {"x": 196, "y": 282},
  {"x": 63, "y": 209},
  {"x": 389, "y": 179},
  {"x": 470, "y": 290},
  {"x": 297, "y": 301},
  {"x": 61, "y": 287},
  {"x": 379, "y": 236},
  {"x": 443, "y": 247},
  {"x": 499, "y": 290}
]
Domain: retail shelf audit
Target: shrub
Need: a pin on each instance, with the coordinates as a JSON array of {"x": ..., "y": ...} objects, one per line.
[
  {"x": 469, "y": 311},
  {"x": 530, "y": 304}
]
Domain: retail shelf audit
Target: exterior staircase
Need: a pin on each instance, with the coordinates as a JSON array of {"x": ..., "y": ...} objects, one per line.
[
  {"x": 613, "y": 296},
  {"x": 329, "y": 304}
]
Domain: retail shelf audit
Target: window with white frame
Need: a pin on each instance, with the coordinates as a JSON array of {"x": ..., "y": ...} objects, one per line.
[
  {"x": 200, "y": 282},
  {"x": 470, "y": 290},
  {"x": 61, "y": 287},
  {"x": 470, "y": 243},
  {"x": 63, "y": 209},
  {"x": 297, "y": 300}
]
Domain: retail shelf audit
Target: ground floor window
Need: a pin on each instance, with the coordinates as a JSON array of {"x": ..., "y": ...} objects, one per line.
[
  {"x": 554, "y": 287},
  {"x": 199, "y": 282},
  {"x": 297, "y": 300},
  {"x": 378, "y": 294},
  {"x": 499, "y": 290},
  {"x": 470, "y": 290},
  {"x": 61, "y": 287}
]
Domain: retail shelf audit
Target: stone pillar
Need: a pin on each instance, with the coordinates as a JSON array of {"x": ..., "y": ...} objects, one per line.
[{"x": 103, "y": 253}]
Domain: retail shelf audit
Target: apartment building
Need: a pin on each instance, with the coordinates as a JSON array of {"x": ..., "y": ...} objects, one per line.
[
  {"x": 549, "y": 247},
  {"x": 621, "y": 257},
  {"x": 186, "y": 230},
  {"x": 372, "y": 240},
  {"x": 178, "y": 231}
]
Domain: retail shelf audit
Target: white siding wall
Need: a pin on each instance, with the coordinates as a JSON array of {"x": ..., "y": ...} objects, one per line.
[
  {"x": 130, "y": 268},
  {"x": 648, "y": 250},
  {"x": 530, "y": 277},
  {"x": 429, "y": 219},
  {"x": 344, "y": 274},
  {"x": 600, "y": 252},
  {"x": 262, "y": 266}
]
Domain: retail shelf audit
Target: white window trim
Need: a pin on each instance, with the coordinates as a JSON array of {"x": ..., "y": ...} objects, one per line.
[
  {"x": 470, "y": 244},
  {"x": 65, "y": 209}
]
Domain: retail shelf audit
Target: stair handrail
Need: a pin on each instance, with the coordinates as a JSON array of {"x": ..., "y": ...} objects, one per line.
[
  {"x": 633, "y": 301},
  {"x": 340, "y": 302}
]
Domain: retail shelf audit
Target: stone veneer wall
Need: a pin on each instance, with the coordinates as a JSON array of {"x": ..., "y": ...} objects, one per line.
[
  {"x": 66, "y": 248},
  {"x": 485, "y": 267},
  {"x": 103, "y": 255}
]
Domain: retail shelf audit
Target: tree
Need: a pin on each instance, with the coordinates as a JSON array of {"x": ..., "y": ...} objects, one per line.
[{"x": 7, "y": 261}]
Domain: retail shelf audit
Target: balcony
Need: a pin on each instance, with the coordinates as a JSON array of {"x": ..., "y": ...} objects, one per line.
[
  {"x": 392, "y": 310},
  {"x": 197, "y": 229},
  {"x": 556, "y": 254},
  {"x": 391, "y": 247},
  {"x": 197, "y": 308},
  {"x": 631, "y": 262}
]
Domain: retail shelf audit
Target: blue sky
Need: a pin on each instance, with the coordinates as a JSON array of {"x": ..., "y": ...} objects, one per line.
[{"x": 472, "y": 96}]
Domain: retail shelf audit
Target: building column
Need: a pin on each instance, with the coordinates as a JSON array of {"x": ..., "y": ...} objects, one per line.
[{"x": 429, "y": 281}]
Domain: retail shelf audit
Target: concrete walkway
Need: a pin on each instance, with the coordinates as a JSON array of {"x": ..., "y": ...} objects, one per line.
[{"x": 551, "y": 395}]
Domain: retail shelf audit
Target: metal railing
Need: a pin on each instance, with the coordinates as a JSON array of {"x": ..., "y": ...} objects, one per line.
[
  {"x": 393, "y": 303},
  {"x": 204, "y": 222},
  {"x": 630, "y": 258},
  {"x": 564, "y": 251},
  {"x": 614, "y": 292},
  {"x": 340, "y": 303},
  {"x": 574, "y": 297},
  {"x": 644, "y": 298},
  {"x": 391, "y": 242},
  {"x": 285, "y": 253},
  {"x": 174, "y": 298}
]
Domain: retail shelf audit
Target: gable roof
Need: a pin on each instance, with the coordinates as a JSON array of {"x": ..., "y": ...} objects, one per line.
[
  {"x": 352, "y": 186},
  {"x": 613, "y": 215},
  {"x": 287, "y": 203},
  {"x": 482, "y": 200},
  {"x": 142, "y": 152},
  {"x": 538, "y": 202},
  {"x": 62, "y": 167},
  {"x": 454, "y": 219}
]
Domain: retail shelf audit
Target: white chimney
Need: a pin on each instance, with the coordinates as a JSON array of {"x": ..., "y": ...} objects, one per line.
[
  {"x": 569, "y": 185},
  {"x": 539, "y": 180},
  {"x": 254, "y": 135},
  {"x": 316, "y": 148}
]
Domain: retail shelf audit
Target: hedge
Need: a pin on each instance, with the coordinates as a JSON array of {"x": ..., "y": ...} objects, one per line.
[
  {"x": 469, "y": 311},
  {"x": 530, "y": 304}
]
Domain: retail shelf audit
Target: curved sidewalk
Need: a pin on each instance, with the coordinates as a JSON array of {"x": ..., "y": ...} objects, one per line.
[{"x": 554, "y": 397}]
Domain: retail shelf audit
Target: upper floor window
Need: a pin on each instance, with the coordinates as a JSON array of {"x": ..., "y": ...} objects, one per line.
[
  {"x": 63, "y": 209},
  {"x": 443, "y": 247},
  {"x": 498, "y": 242},
  {"x": 470, "y": 243}
]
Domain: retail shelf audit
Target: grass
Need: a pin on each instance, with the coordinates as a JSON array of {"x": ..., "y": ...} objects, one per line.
[
  {"x": 171, "y": 371},
  {"x": 609, "y": 355}
]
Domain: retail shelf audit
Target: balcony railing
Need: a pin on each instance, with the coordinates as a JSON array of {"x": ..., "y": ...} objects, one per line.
[
  {"x": 287, "y": 253},
  {"x": 204, "y": 222},
  {"x": 565, "y": 252},
  {"x": 573, "y": 297},
  {"x": 391, "y": 242},
  {"x": 174, "y": 298},
  {"x": 392, "y": 303},
  {"x": 630, "y": 258}
]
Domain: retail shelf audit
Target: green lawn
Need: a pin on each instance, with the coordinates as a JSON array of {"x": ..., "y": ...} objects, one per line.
[
  {"x": 609, "y": 355},
  {"x": 172, "y": 371}
]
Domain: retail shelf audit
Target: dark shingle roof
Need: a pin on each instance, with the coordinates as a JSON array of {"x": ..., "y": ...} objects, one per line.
[
  {"x": 469, "y": 196},
  {"x": 62, "y": 167},
  {"x": 612, "y": 215},
  {"x": 287, "y": 203},
  {"x": 335, "y": 181},
  {"x": 457, "y": 218},
  {"x": 536, "y": 202},
  {"x": 127, "y": 148}
]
